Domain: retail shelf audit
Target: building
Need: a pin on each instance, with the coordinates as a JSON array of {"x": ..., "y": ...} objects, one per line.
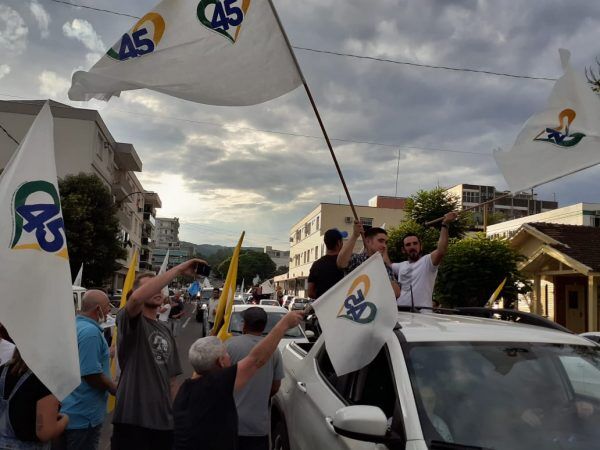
[
  {"x": 279, "y": 257},
  {"x": 587, "y": 214},
  {"x": 83, "y": 143},
  {"x": 508, "y": 207},
  {"x": 563, "y": 262},
  {"x": 306, "y": 237},
  {"x": 167, "y": 232},
  {"x": 151, "y": 203},
  {"x": 176, "y": 256}
]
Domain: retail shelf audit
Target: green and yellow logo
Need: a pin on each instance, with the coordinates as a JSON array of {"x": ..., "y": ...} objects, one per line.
[
  {"x": 226, "y": 16},
  {"x": 37, "y": 219},
  {"x": 138, "y": 42},
  {"x": 355, "y": 306},
  {"x": 562, "y": 134}
]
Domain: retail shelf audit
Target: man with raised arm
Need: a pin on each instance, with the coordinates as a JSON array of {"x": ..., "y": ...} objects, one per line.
[
  {"x": 375, "y": 240},
  {"x": 149, "y": 364},
  {"x": 417, "y": 275}
]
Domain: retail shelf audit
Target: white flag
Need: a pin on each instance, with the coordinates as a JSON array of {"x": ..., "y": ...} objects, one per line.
[
  {"x": 562, "y": 139},
  {"x": 163, "y": 269},
  {"x": 267, "y": 288},
  {"x": 218, "y": 52},
  {"x": 357, "y": 315},
  {"x": 37, "y": 300},
  {"x": 79, "y": 276}
]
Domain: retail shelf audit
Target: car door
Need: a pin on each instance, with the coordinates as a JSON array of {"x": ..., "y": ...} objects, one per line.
[{"x": 316, "y": 397}]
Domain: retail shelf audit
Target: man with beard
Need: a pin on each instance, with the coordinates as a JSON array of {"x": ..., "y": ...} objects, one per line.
[
  {"x": 417, "y": 275},
  {"x": 149, "y": 363}
]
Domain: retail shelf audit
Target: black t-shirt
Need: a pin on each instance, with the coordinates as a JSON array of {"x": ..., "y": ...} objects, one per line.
[
  {"x": 23, "y": 404},
  {"x": 177, "y": 308},
  {"x": 205, "y": 413},
  {"x": 324, "y": 273}
]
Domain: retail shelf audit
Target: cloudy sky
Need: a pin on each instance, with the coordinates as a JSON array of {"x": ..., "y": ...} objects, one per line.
[{"x": 223, "y": 169}]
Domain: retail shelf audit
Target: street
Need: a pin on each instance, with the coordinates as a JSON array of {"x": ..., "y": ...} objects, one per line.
[{"x": 190, "y": 331}]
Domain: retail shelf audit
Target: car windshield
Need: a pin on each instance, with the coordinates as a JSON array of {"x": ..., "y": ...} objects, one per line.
[
  {"x": 237, "y": 324},
  {"x": 507, "y": 396}
]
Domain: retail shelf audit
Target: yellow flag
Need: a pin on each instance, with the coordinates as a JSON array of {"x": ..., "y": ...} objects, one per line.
[
  {"x": 127, "y": 286},
  {"x": 496, "y": 293},
  {"x": 223, "y": 314}
]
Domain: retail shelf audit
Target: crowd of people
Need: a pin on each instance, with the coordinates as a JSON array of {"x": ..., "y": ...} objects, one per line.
[{"x": 225, "y": 403}]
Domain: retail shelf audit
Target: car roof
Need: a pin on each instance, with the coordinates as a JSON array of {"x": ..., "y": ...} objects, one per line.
[
  {"x": 267, "y": 308},
  {"x": 432, "y": 327}
]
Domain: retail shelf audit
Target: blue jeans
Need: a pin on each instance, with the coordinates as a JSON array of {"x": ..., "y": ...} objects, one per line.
[{"x": 80, "y": 439}]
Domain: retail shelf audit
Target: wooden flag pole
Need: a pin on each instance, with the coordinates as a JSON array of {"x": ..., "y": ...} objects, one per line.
[
  {"x": 439, "y": 219},
  {"x": 316, "y": 110}
]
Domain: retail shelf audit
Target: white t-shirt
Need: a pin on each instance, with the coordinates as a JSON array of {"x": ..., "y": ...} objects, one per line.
[
  {"x": 164, "y": 316},
  {"x": 6, "y": 351},
  {"x": 421, "y": 276}
]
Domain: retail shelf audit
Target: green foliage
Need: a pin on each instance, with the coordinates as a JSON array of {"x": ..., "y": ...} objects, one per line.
[
  {"x": 425, "y": 206},
  {"x": 91, "y": 227},
  {"x": 250, "y": 264},
  {"x": 428, "y": 237},
  {"x": 281, "y": 270},
  {"x": 472, "y": 270}
]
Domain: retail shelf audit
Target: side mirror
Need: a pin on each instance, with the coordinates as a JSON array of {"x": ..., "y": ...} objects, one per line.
[
  {"x": 361, "y": 422},
  {"x": 310, "y": 335}
]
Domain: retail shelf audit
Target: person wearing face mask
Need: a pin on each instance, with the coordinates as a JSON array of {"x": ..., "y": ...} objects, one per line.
[{"x": 86, "y": 405}]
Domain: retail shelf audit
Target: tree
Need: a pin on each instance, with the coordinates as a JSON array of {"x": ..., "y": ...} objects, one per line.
[
  {"x": 91, "y": 226},
  {"x": 281, "y": 270},
  {"x": 472, "y": 270},
  {"x": 250, "y": 264},
  {"x": 425, "y": 206}
]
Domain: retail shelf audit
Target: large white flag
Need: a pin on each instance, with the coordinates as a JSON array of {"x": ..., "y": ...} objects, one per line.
[
  {"x": 37, "y": 301},
  {"x": 218, "y": 52},
  {"x": 163, "y": 269},
  {"x": 562, "y": 139},
  {"x": 357, "y": 315}
]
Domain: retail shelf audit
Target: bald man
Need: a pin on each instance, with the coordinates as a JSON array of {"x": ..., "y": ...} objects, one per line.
[{"x": 86, "y": 406}]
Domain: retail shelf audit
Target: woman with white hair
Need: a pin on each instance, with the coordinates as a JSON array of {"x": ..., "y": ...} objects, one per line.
[{"x": 204, "y": 409}]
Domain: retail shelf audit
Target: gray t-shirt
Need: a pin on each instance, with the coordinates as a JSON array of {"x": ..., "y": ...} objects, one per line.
[
  {"x": 253, "y": 401},
  {"x": 148, "y": 359}
]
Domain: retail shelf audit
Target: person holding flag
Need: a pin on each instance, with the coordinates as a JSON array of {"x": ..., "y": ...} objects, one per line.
[{"x": 149, "y": 363}]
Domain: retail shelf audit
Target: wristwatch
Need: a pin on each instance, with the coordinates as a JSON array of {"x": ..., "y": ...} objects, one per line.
[{"x": 445, "y": 225}]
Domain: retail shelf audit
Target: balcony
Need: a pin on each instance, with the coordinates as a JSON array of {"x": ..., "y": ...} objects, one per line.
[{"x": 127, "y": 158}]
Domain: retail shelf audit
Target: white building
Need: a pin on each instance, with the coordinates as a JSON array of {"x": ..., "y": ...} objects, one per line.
[
  {"x": 279, "y": 257},
  {"x": 587, "y": 214},
  {"x": 83, "y": 143},
  {"x": 167, "y": 233}
]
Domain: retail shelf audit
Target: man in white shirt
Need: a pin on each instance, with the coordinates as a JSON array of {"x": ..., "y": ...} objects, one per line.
[{"x": 417, "y": 275}]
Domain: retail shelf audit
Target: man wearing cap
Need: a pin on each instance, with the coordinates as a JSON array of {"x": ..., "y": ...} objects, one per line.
[
  {"x": 252, "y": 401},
  {"x": 324, "y": 273}
]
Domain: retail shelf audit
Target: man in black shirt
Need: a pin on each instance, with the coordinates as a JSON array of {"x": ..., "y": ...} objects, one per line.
[
  {"x": 324, "y": 272},
  {"x": 204, "y": 409}
]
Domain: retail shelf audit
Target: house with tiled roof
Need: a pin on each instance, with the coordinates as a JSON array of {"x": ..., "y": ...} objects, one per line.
[{"x": 563, "y": 262}]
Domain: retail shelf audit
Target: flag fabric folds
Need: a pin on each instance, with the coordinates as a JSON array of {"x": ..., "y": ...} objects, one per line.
[
  {"x": 37, "y": 299},
  {"x": 127, "y": 286},
  {"x": 357, "y": 315},
  {"x": 217, "y": 52},
  {"x": 163, "y": 269},
  {"x": 496, "y": 293},
  {"x": 223, "y": 314},
  {"x": 79, "y": 276},
  {"x": 562, "y": 139}
]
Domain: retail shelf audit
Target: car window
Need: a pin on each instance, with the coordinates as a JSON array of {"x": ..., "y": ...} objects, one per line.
[{"x": 472, "y": 393}]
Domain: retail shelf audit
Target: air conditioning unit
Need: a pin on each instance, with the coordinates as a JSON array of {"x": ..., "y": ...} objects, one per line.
[
  {"x": 291, "y": 239},
  {"x": 597, "y": 212},
  {"x": 348, "y": 219}
]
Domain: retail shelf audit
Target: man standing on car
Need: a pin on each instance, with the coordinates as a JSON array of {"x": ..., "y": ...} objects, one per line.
[
  {"x": 417, "y": 275},
  {"x": 324, "y": 273},
  {"x": 252, "y": 401},
  {"x": 149, "y": 364},
  {"x": 375, "y": 240}
]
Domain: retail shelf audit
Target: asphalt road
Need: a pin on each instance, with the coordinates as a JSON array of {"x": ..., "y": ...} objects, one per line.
[{"x": 190, "y": 331}]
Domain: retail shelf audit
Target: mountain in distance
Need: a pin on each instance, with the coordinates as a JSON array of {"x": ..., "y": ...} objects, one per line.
[{"x": 210, "y": 249}]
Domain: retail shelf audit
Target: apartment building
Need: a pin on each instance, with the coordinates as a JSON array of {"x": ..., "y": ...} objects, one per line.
[
  {"x": 306, "y": 237},
  {"x": 83, "y": 143},
  {"x": 167, "y": 233},
  {"x": 151, "y": 203},
  {"x": 510, "y": 206},
  {"x": 279, "y": 257}
]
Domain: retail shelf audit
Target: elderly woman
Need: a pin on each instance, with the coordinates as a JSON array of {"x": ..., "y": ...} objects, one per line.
[{"x": 204, "y": 409}]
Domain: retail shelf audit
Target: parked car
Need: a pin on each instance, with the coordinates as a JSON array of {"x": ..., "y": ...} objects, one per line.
[
  {"x": 593, "y": 336},
  {"x": 446, "y": 382},
  {"x": 298, "y": 304},
  {"x": 274, "y": 315}
]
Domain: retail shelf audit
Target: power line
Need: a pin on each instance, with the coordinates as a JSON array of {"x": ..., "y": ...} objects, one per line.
[
  {"x": 284, "y": 133},
  {"x": 9, "y": 135},
  {"x": 351, "y": 55}
]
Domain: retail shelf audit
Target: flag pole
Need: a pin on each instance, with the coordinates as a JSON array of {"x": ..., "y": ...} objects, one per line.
[
  {"x": 471, "y": 208},
  {"x": 315, "y": 109}
]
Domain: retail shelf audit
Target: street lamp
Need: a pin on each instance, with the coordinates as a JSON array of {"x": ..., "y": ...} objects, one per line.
[{"x": 119, "y": 203}]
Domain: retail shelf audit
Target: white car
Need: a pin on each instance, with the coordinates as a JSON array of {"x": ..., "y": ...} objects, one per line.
[
  {"x": 269, "y": 301},
  {"x": 274, "y": 314},
  {"x": 446, "y": 382},
  {"x": 593, "y": 336}
]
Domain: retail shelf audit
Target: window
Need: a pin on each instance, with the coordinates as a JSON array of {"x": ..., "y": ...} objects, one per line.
[
  {"x": 298, "y": 235},
  {"x": 366, "y": 221},
  {"x": 306, "y": 229},
  {"x": 470, "y": 197},
  {"x": 318, "y": 226},
  {"x": 99, "y": 146},
  {"x": 316, "y": 252},
  {"x": 597, "y": 222}
]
